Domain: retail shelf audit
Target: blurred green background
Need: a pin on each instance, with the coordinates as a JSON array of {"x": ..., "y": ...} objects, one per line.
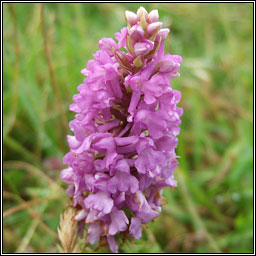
[{"x": 45, "y": 47}]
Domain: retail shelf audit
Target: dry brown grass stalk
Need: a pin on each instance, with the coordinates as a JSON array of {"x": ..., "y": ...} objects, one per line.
[{"x": 68, "y": 231}]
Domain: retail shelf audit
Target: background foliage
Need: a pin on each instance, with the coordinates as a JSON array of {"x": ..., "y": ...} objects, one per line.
[{"x": 44, "y": 51}]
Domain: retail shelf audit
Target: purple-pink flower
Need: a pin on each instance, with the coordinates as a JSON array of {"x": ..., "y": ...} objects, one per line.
[{"x": 122, "y": 153}]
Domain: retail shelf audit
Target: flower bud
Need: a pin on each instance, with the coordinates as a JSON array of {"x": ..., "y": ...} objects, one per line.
[
  {"x": 136, "y": 33},
  {"x": 131, "y": 18},
  {"x": 155, "y": 49},
  {"x": 154, "y": 27},
  {"x": 170, "y": 64},
  {"x": 108, "y": 44},
  {"x": 142, "y": 12},
  {"x": 163, "y": 33},
  {"x": 143, "y": 48},
  {"x": 166, "y": 66},
  {"x": 153, "y": 16}
]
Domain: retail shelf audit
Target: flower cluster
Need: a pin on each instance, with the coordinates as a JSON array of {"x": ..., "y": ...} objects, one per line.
[{"x": 122, "y": 153}]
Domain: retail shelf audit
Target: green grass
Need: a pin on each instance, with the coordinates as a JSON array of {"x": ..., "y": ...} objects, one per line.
[{"x": 212, "y": 208}]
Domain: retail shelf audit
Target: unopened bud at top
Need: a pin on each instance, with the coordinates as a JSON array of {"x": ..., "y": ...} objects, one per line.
[
  {"x": 131, "y": 18},
  {"x": 153, "y": 16},
  {"x": 142, "y": 12}
]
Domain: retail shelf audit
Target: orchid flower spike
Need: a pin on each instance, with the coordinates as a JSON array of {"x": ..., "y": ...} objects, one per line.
[{"x": 122, "y": 153}]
